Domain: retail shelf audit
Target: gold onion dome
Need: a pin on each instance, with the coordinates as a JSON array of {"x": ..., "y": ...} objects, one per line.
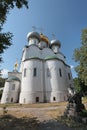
[
  {"x": 33, "y": 35},
  {"x": 44, "y": 38},
  {"x": 55, "y": 42}
]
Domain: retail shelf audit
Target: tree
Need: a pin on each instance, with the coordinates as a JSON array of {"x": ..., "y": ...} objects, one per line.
[
  {"x": 5, "y": 7},
  {"x": 2, "y": 82},
  {"x": 77, "y": 84},
  {"x": 80, "y": 86},
  {"x": 80, "y": 56}
]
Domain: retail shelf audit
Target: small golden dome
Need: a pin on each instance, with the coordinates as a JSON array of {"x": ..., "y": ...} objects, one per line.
[{"x": 44, "y": 38}]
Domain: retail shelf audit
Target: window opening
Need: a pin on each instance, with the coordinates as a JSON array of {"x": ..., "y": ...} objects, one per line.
[
  {"x": 54, "y": 98},
  {"x": 35, "y": 72},
  {"x": 60, "y": 72},
  {"x": 25, "y": 72},
  {"x": 11, "y": 99},
  {"x": 69, "y": 76},
  {"x": 48, "y": 72},
  {"x": 37, "y": 99}
]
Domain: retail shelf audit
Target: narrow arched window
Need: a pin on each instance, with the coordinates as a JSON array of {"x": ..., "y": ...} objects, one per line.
[
  {"x": 54, "y": 98},
  {"x": 35, "y": 72},
  {"x": 69, "y": 76},
  {"x": 25, "y": 72},
  {"x": 48, "y": 72},
  {"x": 11, "y": 99},
  {"x": 37, "y": 99},
  {"x": 60, "y": 72}
]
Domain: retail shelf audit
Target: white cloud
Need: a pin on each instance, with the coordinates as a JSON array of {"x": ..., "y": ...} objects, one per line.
[{"x": 4, "y": 73}]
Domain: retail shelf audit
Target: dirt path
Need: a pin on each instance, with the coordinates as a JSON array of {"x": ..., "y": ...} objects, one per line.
[
  {"x": 26, "y": 118},
  {"x": 40, "y": 113},
  {"x": 46, "y": 121}
]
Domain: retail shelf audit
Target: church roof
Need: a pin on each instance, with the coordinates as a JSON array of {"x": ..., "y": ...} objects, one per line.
[
  {"x": 44, "y": 38},
  {"x": 50, "y": 57},
  {"x": 33, "y": 35},
  {"x": 56, "y": 42},
  {"x": 13, "y": 78}
]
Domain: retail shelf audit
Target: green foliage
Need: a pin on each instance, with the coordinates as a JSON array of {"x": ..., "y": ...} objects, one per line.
[
  {"x": 80, "y": 86},
  {"x": 2, "y": 82},
  {"x": 80, "y": 56},
  {"x": 77, "y": 84},
  {"x": 83, "y": 113},
  {"x": 72, "y": 123},
  {"x": 5, "y": 42},
  {"x": 5, "y": 7}
]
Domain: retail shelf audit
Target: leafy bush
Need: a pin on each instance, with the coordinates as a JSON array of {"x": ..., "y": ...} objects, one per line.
[{"x": 83, "y": 113}]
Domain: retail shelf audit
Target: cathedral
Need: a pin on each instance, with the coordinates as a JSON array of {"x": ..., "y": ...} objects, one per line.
[{"x": 44, "y": 75}]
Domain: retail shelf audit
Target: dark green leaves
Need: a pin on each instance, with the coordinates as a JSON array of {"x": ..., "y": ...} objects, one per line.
[
  {"x": 80, "y": 56},
  {"x": 5, "y": 7}
]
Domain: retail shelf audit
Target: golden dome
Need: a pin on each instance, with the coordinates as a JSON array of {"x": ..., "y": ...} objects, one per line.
[{"x": 44, "y": 38}]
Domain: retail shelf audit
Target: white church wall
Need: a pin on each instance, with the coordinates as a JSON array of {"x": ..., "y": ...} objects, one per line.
[
  {"x": 6, "y": 93},
  {"x": 21, "y": 67},
  {"x": 11, "y": 92},
  {"x": 24, "y": 53},
  {"x": 14, "y": 91},
  {"x": 31, "y": 97},
  {"x": 31, "y": 81},
  {"x": 69, "y": 77},
  {"x": 56, "y": 82}
]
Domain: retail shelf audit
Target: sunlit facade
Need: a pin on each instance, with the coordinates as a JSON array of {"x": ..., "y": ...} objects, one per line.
[{"x": 44, "y": 75}]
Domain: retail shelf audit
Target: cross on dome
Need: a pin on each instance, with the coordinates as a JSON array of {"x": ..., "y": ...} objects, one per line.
[
  {"x": 41, "y": 30},
  {"x": 34, "y": 28},
  {"x": 53, "y": 36}
]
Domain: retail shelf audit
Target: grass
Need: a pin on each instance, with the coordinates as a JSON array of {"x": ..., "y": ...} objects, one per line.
[
  {"x": 72, "y": 123},
  {"x": 55, "y": 113},
  {"x": 10, "y": 122},
  {"x": 84, "y": 100},
  {"x": 19, "y": 113},
  {"x": 59, "y": 111},
  {"x": 58, "y": 115},
  {"x": 38, "y": 105}
]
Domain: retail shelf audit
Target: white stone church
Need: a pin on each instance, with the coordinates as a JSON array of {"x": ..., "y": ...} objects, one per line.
[{"x": 44, "y": 75}]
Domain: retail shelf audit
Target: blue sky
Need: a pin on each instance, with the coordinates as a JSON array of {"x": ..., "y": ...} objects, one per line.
[{"x": 63, "y": 18}]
